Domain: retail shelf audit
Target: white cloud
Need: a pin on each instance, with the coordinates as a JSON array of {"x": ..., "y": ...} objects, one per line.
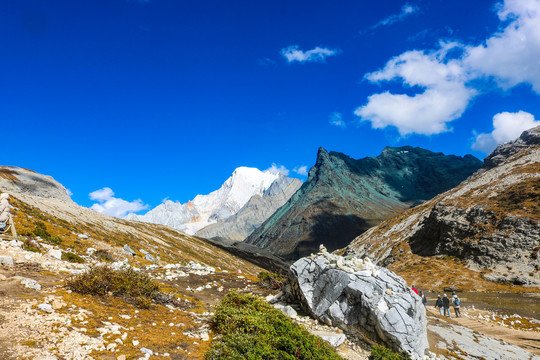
[
  {"x": 506, "y": 127},
  {"x": 444, "y": 99},
  {"x": 101, "y": 194},
  {"x": 278, "y": 169},
  {"x": 336, "y": 119},
  {"x": 301, "y": 170},
  {"x": 109, "y": 205},
  {"x": 512, "y": 55},
  {"x": 406, "y": 10},
  {"x": 69, "y": 192},
  {"x": 318, "y": 54}
]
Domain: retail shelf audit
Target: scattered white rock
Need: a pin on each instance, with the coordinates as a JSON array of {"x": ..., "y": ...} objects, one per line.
[
  {"x": 45, "y": 307},
  {"x": 56, "y": 304},
  {"x": 29, "y": 283},
  {"x": 6, "y": 260},
  {"x": 146, "y": 351},
  {"x": 55, "y": 254}
]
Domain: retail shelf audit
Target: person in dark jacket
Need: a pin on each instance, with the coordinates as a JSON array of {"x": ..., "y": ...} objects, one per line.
[
  {"x": 439, "y": 304},
  {"x": 423, "y": 296},
  {"x": 446, "y": 305}
]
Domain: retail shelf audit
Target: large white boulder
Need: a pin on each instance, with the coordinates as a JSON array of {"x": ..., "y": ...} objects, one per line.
[{"x": 362, "y": 299}]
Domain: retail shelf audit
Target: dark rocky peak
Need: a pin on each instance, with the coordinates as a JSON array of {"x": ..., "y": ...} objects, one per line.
[
  {"x": 528, "y": 139},
  {"x": 343, "y": 197}
]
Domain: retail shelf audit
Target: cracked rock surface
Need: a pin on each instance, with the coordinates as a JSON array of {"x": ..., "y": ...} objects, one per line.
[{"x": 362, "y": 299}]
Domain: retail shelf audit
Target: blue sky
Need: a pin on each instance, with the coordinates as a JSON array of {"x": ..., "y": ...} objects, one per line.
[{"x": 164, "y": 99}]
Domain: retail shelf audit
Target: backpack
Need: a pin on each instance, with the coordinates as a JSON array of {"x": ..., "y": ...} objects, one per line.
[{"x": 456, "y": 301}]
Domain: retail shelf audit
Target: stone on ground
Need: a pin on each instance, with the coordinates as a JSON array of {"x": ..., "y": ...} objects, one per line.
[{"x": 352, "y": 295}]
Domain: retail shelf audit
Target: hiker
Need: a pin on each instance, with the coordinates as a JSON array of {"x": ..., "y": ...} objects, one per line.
[
  {"x": 414, "y": 289},
  {"x": 446, "y": 305},
  {"x": 5, "y": 211},
  {"x": 423, "y": 296},
  {"x": 456, "y": 302},
  {"x": 439, "y": 304}
]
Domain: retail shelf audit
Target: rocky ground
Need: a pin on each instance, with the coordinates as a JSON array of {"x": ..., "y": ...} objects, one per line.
[
  {"x": 481, "y": 334},
  {"x": 41, "y": 319}
]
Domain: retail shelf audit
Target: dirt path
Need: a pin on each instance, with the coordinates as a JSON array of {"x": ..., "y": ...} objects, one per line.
[{"x": 528, "y": 340}]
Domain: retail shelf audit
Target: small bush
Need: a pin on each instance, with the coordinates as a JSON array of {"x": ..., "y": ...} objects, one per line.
[
  {"x": 104, "y": 255},
  {"x": 73, "y": 258},
  {"x": 133, "y": 287},
  {"x": 41, "y": 230},
  {"x": 382, "y": 353},
  {"x": 270, "y": 280},
  {"x": 31, "y": 245},
  {"x": 56, "y": 240},
  {"x": 250, "y": 328}
]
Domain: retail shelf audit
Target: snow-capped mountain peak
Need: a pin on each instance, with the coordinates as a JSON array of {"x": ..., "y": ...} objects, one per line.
[{"x": 204, "y": 210}]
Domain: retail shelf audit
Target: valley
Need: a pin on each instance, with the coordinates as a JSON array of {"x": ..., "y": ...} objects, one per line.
[{"x": 457, "y": 241}]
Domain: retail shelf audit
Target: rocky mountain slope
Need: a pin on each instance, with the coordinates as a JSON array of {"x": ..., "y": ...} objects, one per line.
[
  {"x": 217, "y": 206},
  {"x": 18, "y": 180},
  {"x": 487, "y": 227},
  {"x": 344, "y": 197},
  {"x": 41, "y": 319},
  {"x": 259, "y": 208}
]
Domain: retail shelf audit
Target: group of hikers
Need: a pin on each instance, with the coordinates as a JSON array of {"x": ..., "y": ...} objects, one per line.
[{"x": 443, "y": 303}]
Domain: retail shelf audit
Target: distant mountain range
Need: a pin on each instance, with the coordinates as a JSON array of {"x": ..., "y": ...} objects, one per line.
[
  {"x": 240, "y": 205},
  {"x": 344, "y": 197}
]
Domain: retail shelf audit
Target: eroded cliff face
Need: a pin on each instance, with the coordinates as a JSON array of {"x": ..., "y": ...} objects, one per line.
[
  {"x": 491, "y": 222},
  {"x": 344, "y": 197}
]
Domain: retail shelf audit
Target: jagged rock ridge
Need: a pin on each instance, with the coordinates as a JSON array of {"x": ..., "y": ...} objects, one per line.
[
  {"x": 491, "y": 222},
  {"x": 215, "y": 207},
  {"x": 259, "y": 208},
  {"x": 16, "y": 180},
  {"x": 344, "y": 197}
]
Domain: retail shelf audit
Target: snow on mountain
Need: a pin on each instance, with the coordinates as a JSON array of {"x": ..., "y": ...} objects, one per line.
[{"x": 204, "y": 210}]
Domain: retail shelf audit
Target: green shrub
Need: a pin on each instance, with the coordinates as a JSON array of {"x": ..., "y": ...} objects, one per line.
[
  {"x": 73, "y": 258},
  {"x": 56, "y": 240},
  {"x": 382, "y": 353},
  {"x": 132, "y": 286},
  {"x": 31, "y": 245},
  {"x": 250, "y": 328},
  {"x": 41, "y": 230},
  {"x": 270, "y": 280},
  {"x": 104, "y": 255}
]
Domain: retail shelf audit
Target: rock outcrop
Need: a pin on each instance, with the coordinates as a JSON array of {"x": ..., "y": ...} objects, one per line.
[
  {"x": 16, "y": 180},
  {"x": 259, "y": 208},
  {"x": 344, "y": 197},
  {"x": 360, "y": 298},
  {"x": 491, "y": 222}
]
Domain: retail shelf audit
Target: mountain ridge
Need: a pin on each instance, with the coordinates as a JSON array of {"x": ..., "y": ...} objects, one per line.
[
  {"x": 343, "y": 197},
  {"x": 490, "y": 222}
]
